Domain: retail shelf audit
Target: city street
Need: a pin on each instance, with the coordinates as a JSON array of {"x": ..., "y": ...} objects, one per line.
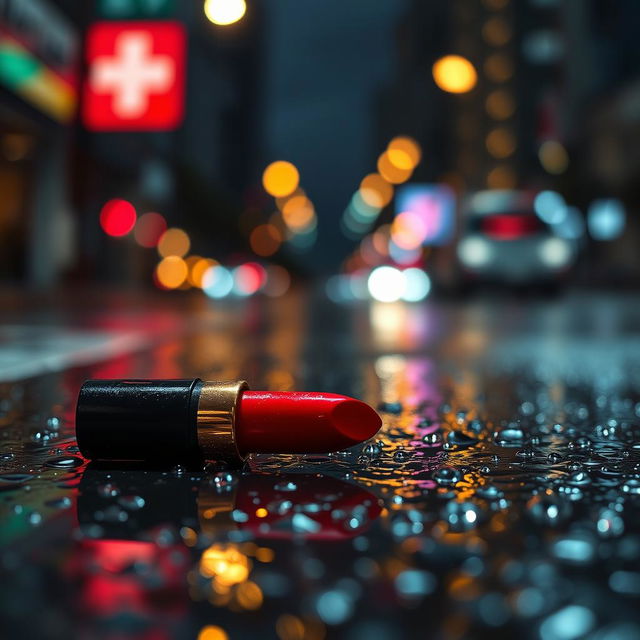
[{"x": 499, "y": 500}]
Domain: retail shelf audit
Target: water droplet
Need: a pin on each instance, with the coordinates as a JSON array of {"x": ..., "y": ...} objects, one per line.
[
  {"x": 432, "y": 438},
  {"x": 459, "y": 439},
  {"x": 489, "y": 492},
  {"x": 609, "y": 524},
  {"x": 286, "y": 486},
  {"x": 461, "y": 516},
  {"x": 108, "y": 490},
  {"x": 54, "y": 423},
  {"x": 64, "y": 462},
  {"x": 579, "y": 479},
  {"x": 178, "y": 470},
  {"x": 5, "y": 457},
  {"x": 550, "y": 509},
  {"x": 447, "y": 476},
  {"x": 554, "y": 458},
  {"x": 59, "y": 503},
  {"x": 580, "y": 443},
  {"x": 401, "y": 455},
  {"x": 632, "y": 486},
  {"x": 390, "y": 407},
  {"x": 224, "y": 479},
  {"x": 14, "y": 478},
  {"x": 35, "y": 518},
  {"x": 131, "y": 503},
  {"x": 509, "y": 437},
  {"x": 372, "y": 450},
  {"x": 527, "y": 408}
]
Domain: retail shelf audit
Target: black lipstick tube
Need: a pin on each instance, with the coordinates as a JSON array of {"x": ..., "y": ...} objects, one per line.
[{"x": 158, "y": 420}]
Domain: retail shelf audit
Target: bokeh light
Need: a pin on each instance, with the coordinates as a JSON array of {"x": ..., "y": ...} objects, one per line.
[
  {"x": 174, "y": 242},
  {"x": 280, "y": 179},
  {"x": 606, "y": 219},
  {"x": 198, "y": 269},
  {"x": 298, "y": 213},
  {"x": 265, "y": 239},
  {"x": 407, "y": 146},
  {"x": 553, "y": 157},
  {"x": 550, "y": 207},
  {"x": 390, "y": 171},
  {"x": 498, "y": 67},
  {"x": 248, "y": 278},
  {"x": 500, "y": 104},
  {"x": 217, "y": 282},
  {"x": 224, "y": 12},
  {"x": 149, "y": 229},
  {"x": 171, "y": 272},
  {"x": 386, "y": 284},
  {"x": 278, "y": 281},
  {"x": 408, "y": 230},
  {"x": 454, "y": 74},
  {"x": 375, "y": 191},
  {"x": 417, "y": 285},
  {"x": 500, "y": 142},
  {"x": 117, "y": 217},
  {"x": 502, "y": 177},
  {"x": 496, "y": 31}
]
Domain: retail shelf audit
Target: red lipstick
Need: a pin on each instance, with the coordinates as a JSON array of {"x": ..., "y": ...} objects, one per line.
[{"x": 179, "y": 420}]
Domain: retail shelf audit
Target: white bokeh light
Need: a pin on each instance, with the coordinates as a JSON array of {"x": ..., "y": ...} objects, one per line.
[{"x": 386, "y": 284}]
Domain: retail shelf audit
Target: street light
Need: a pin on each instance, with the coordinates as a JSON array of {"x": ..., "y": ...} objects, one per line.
[
  {"x": 224, "y": 12},
  {"x": 454, "y": 74}
]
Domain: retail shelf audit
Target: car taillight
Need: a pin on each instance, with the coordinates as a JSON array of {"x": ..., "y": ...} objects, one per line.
[{"x": 510, "y": 227}]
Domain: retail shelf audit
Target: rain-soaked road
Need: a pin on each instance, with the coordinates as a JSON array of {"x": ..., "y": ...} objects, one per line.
[{"x": 499, "y": 500}]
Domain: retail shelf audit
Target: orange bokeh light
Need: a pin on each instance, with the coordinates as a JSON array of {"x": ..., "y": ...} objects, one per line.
[
  {"x": 390, "y": 172},
  {"x": 265, "y": 239},
  {"x": 280, "y": 178},
  {"x": 171, "y": 272},
  {"x": 376, "y": 191}
]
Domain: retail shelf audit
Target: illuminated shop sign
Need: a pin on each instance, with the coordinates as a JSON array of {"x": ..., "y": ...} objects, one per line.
[
  {"x": 38, "y": 56},
  {"x": 135, "y": 76}
]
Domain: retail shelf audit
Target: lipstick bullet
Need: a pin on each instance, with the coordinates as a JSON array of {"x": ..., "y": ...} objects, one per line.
[{"x": 182, "y": 420}]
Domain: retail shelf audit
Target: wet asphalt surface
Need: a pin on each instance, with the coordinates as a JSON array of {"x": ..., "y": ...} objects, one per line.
[{"x": 499, "y": 500}]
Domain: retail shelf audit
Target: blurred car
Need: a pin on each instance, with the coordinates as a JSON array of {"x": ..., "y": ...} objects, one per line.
[{"x": 503, "y": 240}]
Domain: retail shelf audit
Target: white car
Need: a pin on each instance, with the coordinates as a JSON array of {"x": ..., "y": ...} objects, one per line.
[{"x": 504, "y": 240}]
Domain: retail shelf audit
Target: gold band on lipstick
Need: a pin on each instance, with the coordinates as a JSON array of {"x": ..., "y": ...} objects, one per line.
[{"x": 215, "y": 420}]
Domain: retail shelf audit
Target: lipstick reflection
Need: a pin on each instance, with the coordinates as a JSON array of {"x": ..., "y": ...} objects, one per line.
[{"x": 153, "y": 537}]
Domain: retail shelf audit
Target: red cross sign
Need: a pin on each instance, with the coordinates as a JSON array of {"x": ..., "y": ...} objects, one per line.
[{"x": 135, "y": 77}]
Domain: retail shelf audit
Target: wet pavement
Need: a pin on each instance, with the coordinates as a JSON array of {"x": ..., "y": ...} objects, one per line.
[{"x": 499, "y": 500}]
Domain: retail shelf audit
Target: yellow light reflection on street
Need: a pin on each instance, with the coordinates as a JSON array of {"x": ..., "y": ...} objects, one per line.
[
  {"x": 454, "y": 74},
  {"x": 224, "y": 12}
]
